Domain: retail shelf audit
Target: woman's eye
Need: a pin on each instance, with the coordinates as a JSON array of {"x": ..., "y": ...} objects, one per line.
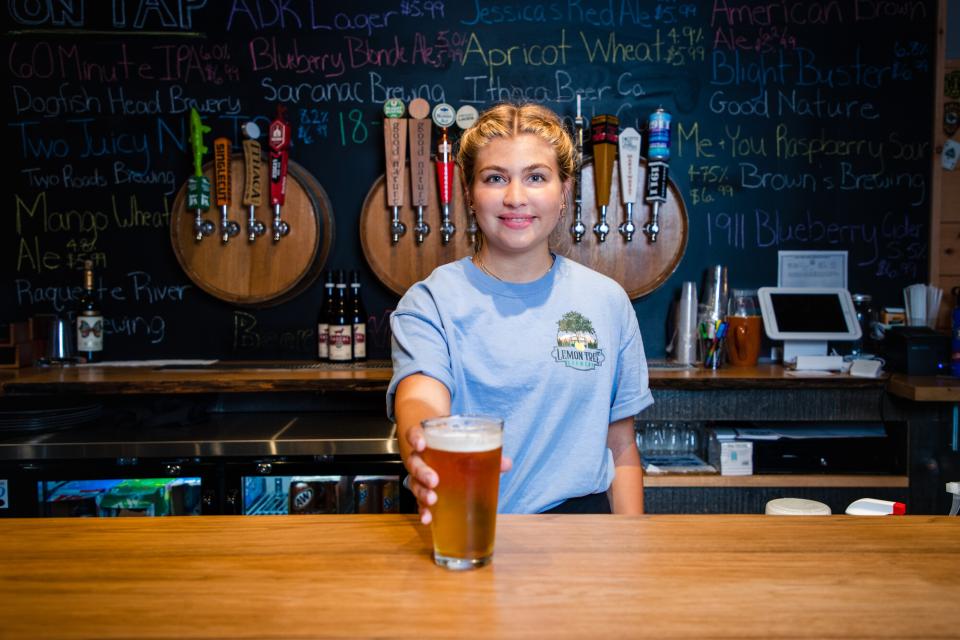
[
  {"x": 537, "y": 177},
  {"x": 493, "y": 179}
]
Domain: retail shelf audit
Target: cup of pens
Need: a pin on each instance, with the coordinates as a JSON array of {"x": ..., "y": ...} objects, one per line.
[{"x": 712, "y": 336}]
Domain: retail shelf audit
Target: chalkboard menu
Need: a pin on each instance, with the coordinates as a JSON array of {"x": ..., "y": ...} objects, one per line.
[{"x": 800, "y": 125}]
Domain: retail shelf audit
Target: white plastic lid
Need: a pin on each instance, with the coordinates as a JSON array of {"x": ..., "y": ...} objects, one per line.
[{"x": 797, "y": 507}]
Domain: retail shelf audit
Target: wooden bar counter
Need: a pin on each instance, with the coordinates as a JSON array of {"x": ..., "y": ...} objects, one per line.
[
  {"x": 245, "y": 377},
  {"x": 553, "y": 576}
]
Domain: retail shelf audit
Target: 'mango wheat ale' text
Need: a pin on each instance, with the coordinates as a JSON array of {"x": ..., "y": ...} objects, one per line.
[{"x": 465, "y": 452}]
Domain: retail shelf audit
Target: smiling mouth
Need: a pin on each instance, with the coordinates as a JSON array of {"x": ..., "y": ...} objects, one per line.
[{"x": 517, "y": 218}]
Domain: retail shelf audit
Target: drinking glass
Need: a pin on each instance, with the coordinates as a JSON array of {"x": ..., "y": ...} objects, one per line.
[
  {"x": 744, "y": 328},
  {"x": 743, "y": 303},
  {"x": 465, "y": 452},
  {"x": 654, "y": 439},
  {"x": 672, "y": 441},
  {"x": 692, "y": 438}
]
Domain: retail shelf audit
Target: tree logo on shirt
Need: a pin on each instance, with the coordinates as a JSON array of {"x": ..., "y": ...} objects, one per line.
[{"x": 577, "y": 345}]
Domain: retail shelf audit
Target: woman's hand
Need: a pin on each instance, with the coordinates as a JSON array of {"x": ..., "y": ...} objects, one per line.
[
  {"x": 423, "y": 479},
  {"x": 418, "y": 398}
]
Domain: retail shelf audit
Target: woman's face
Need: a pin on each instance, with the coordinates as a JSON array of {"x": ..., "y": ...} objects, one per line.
[{"x": 517, "y": 193}]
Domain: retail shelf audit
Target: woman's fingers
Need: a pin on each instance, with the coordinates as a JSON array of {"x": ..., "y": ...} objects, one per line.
[
  {"x": 416, "y": 439},
  {"x": 421, "y": 472},
  {"x": 425, "y": 497},
  {"x": 424, "y": 494},
  {"x": 505, "y": 464},
  {"x": 421, "y": 481},
  {"x": 425, "y": 516}
]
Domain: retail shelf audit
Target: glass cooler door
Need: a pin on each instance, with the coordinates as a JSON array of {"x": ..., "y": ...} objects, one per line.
[
  {"x": 104, "y": 488},
  {"x": 301, "y": 487}
]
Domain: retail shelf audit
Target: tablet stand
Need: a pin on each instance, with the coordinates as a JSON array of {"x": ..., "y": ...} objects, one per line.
[{"x": 794, "y": 348}]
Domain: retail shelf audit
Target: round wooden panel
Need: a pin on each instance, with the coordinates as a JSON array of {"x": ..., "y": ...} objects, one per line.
[
  {"x": 639, "y": 266},
  {"x": 400, "y": 265},
  {"x": 260, "y": 273}
]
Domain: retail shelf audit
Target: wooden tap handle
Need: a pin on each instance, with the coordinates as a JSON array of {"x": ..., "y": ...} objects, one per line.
[
  {"x": 395, "y": 145},
  {"x": 252, "y": 187},
  {"x": 604, "y": 137},
  {"x": 221, "y": 163},
  {"x": 420, "y": 130}
]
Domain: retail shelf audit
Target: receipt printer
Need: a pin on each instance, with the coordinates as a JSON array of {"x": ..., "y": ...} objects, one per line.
[{"x": 916, "y": 351}]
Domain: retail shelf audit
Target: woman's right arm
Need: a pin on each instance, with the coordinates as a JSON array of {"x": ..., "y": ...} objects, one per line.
[{"x": 419, "y": 397}]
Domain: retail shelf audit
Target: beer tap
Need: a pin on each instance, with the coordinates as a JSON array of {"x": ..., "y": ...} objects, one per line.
[
  {"x": 198, "y": 186},
  {"x": 395, "y": 143},
  {"x": 578, "y": 228},
  {"x": 279, "y": 140},
  {"x": 603, "y": 130},
  {"x": 658, "y": 154},
  {"x": 419, "y": 163},
  {"x": 467, "y": 116},
  {"x": 252, "y": 187},
  {"x": 221, "y": 171},
  {"x": 443, "y": 117},
  {"x": 629, "y": 168}
]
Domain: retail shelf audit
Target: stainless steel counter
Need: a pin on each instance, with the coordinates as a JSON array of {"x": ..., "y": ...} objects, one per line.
[{"x": 228, "y": 434}]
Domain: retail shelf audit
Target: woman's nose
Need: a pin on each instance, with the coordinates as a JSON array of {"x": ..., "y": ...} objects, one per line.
[{"x": 514, "y": 195}]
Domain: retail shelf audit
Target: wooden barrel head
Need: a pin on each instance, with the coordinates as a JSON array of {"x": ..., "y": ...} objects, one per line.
[
  {"x": 262, "y": 273},
  {"x": 400, "y": 265},
  {"x": 639, "y": 266}
]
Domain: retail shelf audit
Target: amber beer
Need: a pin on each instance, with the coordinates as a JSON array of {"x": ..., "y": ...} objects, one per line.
[
  {"x": 465, "y": 453},
  {"x": 744, "y": 334}
]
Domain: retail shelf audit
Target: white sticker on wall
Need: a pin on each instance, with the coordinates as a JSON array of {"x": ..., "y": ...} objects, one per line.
[{"x": 951, "y": 153}]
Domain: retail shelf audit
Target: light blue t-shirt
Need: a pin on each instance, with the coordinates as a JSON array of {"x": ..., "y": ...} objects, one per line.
[{"x": 558, "y": 359}]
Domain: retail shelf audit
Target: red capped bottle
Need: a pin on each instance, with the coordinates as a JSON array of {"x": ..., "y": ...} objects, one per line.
[
  {"x": 358, "y": 317},
  {"x": 323, "y": 320},
  {"x": 340, "y": 327}
]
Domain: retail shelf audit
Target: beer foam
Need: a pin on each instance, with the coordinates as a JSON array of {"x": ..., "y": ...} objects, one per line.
[{"x": 464, "y": 440}]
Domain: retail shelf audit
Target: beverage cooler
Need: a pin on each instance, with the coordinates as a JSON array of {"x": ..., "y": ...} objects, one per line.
[
  {"x": 246, "y": 463},
  {"x": 108, "y": 488},
  {"x": 291, "y": 487}
]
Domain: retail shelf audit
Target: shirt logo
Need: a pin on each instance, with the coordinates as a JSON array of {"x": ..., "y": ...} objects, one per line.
[{"x": 577, "y": 344}]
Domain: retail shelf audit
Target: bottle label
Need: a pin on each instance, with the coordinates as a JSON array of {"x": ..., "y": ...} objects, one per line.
[
  {"x": 360, "y": 340},
  {"x": 322, "y": 351},
  {"x": 89, "y": 333},
  {"x": 339, "y": 343}
]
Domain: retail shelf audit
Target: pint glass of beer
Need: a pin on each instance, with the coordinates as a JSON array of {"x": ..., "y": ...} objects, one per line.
[{"x": 465, "y": 453}]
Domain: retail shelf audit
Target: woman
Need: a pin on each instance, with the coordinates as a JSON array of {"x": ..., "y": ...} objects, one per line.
[{"x": 520, "y": 333}]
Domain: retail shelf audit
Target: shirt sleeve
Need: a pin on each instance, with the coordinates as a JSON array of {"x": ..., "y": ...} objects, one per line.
[
  {"x": 631, "y": 386},
  {"x": 419, "y": 343}
]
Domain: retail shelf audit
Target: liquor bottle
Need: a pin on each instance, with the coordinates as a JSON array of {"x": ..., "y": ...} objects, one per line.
[
  {"x": 89, "y": 319},
  {"x": 340, "y": 327},
  {"x": 359, "y": 319},
  {"x": 323, "y": 320}
]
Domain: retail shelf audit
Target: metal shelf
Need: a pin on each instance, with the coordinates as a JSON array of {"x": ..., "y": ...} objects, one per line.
[{"x": 777, "y": 480}]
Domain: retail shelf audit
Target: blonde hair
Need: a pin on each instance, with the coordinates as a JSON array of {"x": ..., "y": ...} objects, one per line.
[{"x": 507, "y": 121}]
